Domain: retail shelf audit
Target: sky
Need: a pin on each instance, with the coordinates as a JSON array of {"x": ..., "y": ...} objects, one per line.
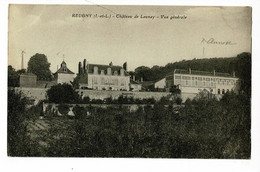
[{"x": 51, "y": 30}]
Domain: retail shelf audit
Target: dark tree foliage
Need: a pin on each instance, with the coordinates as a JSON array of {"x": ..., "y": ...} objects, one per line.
[
  {"x": 39, "y": 65},
  {"x": 63, "y": 93},
  {"x": 75, "y": 82},
  {"x": 175, "y": 90},
  {"x": 18, "y": 141},
  {"x": 205, "y": 128},
  {"x": 225, "y": 65},
  {"x": 243, "y": 70},
  {"x": 13, "y": 76}
]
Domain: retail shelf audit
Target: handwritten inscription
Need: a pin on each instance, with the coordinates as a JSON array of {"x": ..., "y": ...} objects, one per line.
[{"x": 212, "y": 41}]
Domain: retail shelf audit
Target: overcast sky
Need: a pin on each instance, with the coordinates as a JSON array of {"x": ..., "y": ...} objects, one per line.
[{"x": 51, "y": 30}]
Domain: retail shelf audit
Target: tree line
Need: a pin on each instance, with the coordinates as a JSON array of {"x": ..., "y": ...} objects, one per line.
[
  {"x": 204, "y": 128},
  {"x": 224, "y": 65}
]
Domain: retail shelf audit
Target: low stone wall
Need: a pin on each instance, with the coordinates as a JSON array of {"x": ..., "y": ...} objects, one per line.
[
  {"x": 36, "y": 94},
  {"x": 54, "y": 107},
  {"x": 102, "y": 94}
]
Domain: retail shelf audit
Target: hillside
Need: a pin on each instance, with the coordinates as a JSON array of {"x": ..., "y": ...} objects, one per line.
[{"x": 225, "y": 65}]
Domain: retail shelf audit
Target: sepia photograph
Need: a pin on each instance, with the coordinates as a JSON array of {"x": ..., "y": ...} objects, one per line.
[{"x": 129, "y": 81}]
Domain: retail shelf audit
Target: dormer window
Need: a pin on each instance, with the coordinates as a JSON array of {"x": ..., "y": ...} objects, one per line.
[{"x": 64, "y": 69}]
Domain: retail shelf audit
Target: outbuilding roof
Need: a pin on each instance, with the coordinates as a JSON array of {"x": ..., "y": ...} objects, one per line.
[
  {"x": 206, "y": 73},
  {"x": 104, "y": 68}
]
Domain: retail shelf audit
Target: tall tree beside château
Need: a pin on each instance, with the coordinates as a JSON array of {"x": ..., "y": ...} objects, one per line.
[{"x": 39, "y": 65}]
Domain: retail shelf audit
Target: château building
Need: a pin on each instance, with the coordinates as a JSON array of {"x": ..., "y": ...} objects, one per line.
[
  {"x": 191, "y": 82},
  {"x": 63, "y": 74},
  {"x": 103, "y": 77}
]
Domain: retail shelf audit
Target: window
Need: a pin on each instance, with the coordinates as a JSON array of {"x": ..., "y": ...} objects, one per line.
[
  {"x": 95, "y": 80},
  {"x": 102, "y": 81},
  {"x": 207, "y": 79},
  {"x": 223, "y": 91},
  {"x": 177, "y": 77},
  {"x": 187, "y": 83},
  {"x": 218, "y": 91},
  {"x": 115, "y": 81},
  {"x": 122, "y": 82},
  {"x": 199, "y": 78},
  {"x": 196, "y": 83}
]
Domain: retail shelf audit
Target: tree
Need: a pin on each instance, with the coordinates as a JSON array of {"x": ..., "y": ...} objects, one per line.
[
  {"x": 175, "y": 90},
  {"x": 39, "y": 65},
  {"x": 75, "y": 82},
  {"x": 13, "y": 77},
  {"x": 63, "y": 93},
  {"x": 243, "y": 69},
  {"x": 17, "y": 136}
]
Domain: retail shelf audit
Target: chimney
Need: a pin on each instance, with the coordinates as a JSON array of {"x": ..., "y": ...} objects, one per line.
[
  {"x": 109, "y": 71},
  {"x": 142, "y": 80},
  {"x": 79, "y": 68},
  {"x": 125, "y": 66},
  {"x": 95, "y": 70},
  {"x": 84, "y": 66},
  {"x": 214, "y": 72},
  {"x": 133, "y": 77},
  {"x": 234, "y": 74},
  {"x": 189, "y": 70}
]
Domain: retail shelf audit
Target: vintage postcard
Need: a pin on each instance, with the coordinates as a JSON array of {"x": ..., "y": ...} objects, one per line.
[{"x": 129, "y": 81}]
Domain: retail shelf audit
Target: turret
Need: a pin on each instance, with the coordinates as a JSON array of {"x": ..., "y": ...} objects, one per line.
[
  {"x": 84, "y": 66},
  {"x": 79, "y": 68}
]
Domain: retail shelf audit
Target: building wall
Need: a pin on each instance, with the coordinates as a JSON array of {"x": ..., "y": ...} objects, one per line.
[
  {"x": 102, "y": 94},
  {"x": 196, "y": 83},
  {"x": 105, "y": 82},
  {"x": 136, "y": 87},
  {"x": 38, "y": 94},
  {"x": 28, "y": 80},
  {"x": 191, "y": 85},
  {"x": 65, "y": 78},
  {"x": 47, "y": 84},
  {"x": 160, "y": 84}
]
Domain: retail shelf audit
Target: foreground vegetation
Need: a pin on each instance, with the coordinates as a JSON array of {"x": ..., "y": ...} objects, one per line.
[{"x": 204, "y": 128}]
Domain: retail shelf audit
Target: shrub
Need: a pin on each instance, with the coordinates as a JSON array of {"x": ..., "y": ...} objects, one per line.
[
  {"x": 64, "y": 109},
  {"x": 178, "y": 101},
  {"x": 62, "y": 93}
]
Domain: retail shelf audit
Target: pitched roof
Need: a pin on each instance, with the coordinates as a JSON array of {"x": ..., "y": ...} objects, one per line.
[
  {"x": 62, "y": 69},
  {"x": 206, "y": 73},
  {"x": 134, "y": 82},
  {"x": 104, "y": 67}
]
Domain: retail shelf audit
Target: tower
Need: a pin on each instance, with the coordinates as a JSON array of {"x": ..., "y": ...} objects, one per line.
[
  {"x": 23, "y": 52},
  {"x": 84, "y": 66}
]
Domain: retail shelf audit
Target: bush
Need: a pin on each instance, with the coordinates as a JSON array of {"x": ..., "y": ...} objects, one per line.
[
  {"x": 64, "y": 109},
  {"x": 62, "y": 93},
  {"x": 86, "y": 100},
  {"x": 178, "y": 101}
]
